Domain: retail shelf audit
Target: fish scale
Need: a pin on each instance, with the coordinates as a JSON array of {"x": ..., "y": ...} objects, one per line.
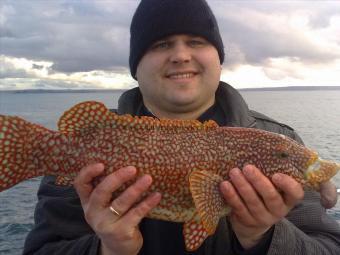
[{"x": 187, "y": 159}]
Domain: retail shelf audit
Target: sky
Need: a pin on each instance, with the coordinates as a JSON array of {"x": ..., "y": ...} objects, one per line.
[{"x": 84, "y": 44}]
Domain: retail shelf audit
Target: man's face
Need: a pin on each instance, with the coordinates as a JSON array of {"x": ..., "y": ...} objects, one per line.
[{"x": 179, "y": 74}]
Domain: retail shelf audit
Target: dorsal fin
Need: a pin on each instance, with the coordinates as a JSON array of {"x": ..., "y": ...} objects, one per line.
[
  {"x": 82, "y": 116},
  {"x": 90, "y": 114}
]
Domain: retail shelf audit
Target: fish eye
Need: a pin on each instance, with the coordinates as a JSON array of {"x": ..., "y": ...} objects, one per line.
[{"x": 283, "y": 154}]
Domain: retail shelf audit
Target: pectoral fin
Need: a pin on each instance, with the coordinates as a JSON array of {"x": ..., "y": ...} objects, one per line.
[
  {"x": 209, "y": 203},
  {"x": 194, "y": 234}
]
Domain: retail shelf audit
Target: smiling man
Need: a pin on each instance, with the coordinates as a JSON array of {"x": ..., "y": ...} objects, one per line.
[
  {"x": 176, "y": 53},
  {"x": 178, "y": 76}
]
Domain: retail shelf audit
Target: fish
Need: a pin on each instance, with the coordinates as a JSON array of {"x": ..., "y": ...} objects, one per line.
[{"x": 187, "y": 159}]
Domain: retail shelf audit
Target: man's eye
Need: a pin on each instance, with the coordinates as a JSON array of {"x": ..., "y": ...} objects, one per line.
[
  {"x": 160, "y": 45},
  {"x": 196, "y": 42}
]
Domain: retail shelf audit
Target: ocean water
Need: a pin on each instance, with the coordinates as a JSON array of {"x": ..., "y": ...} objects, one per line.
[{"x": 315, "y": 115}]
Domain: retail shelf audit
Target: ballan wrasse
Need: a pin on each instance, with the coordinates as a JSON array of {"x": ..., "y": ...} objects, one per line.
[{"x": 187, "y": 159}]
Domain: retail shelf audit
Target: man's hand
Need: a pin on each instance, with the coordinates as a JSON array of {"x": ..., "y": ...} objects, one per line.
[
  {"x": 329, "y": 196},
  {"x": 256, "y": 203},
  {"x": 118, "y": 234}
]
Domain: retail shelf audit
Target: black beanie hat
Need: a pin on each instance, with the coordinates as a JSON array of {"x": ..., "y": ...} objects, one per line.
[{"x": 156, "y": 19}]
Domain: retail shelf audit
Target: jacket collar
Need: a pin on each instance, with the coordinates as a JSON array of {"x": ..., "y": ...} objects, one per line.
[
  {"x": 228, "y": 98},
  {"x": 234, "y": 106}
]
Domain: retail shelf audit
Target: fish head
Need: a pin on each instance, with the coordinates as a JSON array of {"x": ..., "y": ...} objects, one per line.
[
  {"x": 277, "y": 153},
  {"x": 320, "y": 171}
]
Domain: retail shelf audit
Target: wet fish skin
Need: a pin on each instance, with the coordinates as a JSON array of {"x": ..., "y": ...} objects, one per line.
[{"x": 187, "y": 159}]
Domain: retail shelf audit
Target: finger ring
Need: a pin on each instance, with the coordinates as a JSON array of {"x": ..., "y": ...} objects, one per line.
[{"x": 114, "y": 211}]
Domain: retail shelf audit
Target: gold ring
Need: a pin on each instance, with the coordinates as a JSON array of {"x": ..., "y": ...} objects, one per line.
[{"x": 114, "y": 211}]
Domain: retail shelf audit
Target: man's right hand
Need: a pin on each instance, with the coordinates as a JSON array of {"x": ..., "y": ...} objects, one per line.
[{"x": 118, "y": 234}]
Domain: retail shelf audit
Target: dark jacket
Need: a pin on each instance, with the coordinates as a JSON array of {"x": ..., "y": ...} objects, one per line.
[{"x": 61, "y": 228}]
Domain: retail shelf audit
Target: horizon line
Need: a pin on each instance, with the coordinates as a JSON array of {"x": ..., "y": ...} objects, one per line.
[{"x": 106, "y": 89}]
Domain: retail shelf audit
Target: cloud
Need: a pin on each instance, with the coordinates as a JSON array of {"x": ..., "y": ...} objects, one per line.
[
  {"x": 261, "y": 30},
  {"x": 281, "y": 68},
  {"x": 23, "y": 68},
  {"x": 5, "y": 11},
  {"x": 81, "y": 39},
  {"x": 73, "y": 35},
  {"x": 9, "y": 70},
  {"x": 22, "y": 73}
]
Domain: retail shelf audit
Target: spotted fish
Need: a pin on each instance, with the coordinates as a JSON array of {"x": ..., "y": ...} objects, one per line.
[{"x": 186, "y": 158}]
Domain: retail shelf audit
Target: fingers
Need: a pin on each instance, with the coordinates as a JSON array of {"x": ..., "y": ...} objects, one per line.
[
  {"x": 270, "y": 196},
  {"x": 256, "y": 203},
  {"x": 329, "y": 196},
  {"x": 83, "y": 182},
  {"x": 292, "y": 190},
  {"x": 132, "y": 194},
  {"x": 233, "y": 200},
  {"x": 118, "y": 232},
  {"x": 136, "y": 214},
  {"x": 102, "y": 194},
  {"x": 254, "y": 198},
  {"x": 253, "y": 206},
  {"x": 99, "y": 198}
]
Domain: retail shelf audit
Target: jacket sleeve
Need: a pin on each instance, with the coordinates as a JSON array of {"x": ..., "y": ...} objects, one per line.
[
  {"x": 60, "y": 227},
  {"x": 307, "y": 230},
  {"x": 269, "y": 124}
]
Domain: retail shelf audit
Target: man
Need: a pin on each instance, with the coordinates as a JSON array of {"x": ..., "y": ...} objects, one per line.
[{"x": 176, "y": 54}]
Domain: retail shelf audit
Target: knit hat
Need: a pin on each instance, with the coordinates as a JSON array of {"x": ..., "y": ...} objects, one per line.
[{"x": 156, "y": 19}]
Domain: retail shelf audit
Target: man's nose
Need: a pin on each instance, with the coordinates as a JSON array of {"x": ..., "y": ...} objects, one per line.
[{"x": 181, "y": 53}]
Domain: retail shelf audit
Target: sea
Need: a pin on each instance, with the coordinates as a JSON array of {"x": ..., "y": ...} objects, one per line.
[{"x": 314, "y": 114}]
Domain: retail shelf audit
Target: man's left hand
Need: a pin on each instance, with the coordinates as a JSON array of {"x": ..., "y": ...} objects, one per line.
[{"x": 256, "y": 203}]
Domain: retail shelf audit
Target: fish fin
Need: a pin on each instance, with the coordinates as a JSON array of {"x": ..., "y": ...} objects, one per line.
[
  {"x": 64, "y": 181},
  {"x": 84, "y": 116},
  {"x": 194, "y": 234},
  {"x": 17, "y": 139},
  {"x": 180, "y": 126},
  {"x": 88, "y": 115},
  {"x": 209, "y": 203}
]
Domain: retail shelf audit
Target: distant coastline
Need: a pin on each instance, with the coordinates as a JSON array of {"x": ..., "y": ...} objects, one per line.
[
  {"x": 62, "y": 90},
  {"x": 293, "y": 88},
  {"x": 288, "y": 88}
]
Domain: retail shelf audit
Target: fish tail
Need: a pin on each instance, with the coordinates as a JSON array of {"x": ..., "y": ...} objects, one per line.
[{"x": 16, "y": 144}]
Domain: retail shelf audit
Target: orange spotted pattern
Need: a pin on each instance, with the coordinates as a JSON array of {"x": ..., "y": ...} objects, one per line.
[{"x": 186, "y": 158}]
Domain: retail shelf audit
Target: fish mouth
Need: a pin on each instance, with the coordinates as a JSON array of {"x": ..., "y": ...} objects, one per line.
[{"x": 320, "y": 171}]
